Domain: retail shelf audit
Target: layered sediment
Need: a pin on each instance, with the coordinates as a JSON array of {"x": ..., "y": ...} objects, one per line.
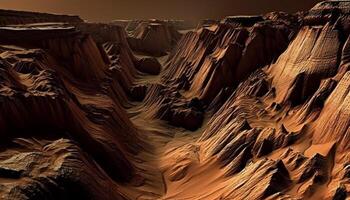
[
  {"x": 10, "y": 17},
  {"x": 249, "y": 107},
  {"x": 154, "y": 37}
]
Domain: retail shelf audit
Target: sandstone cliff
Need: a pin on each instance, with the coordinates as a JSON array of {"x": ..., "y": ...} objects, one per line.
[{"x": 249, "y": 107}]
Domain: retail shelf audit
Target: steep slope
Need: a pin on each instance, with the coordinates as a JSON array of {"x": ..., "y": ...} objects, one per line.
[
  {"x": 211, "y": 61},
  {"x": 290, "y": 117},
  {"x": 154, "y": 37},
  {"x": 249, "y": 107},
  {"x": 56, "y": 85}
]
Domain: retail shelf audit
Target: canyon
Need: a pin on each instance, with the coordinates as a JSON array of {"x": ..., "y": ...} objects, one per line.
[{"x": 247, "y": 107}]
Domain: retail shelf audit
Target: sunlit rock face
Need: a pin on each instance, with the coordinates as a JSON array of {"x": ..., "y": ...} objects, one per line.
[{"x": 248, "y": 107}]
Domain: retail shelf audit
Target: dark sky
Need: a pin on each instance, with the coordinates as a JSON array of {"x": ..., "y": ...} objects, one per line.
[{"x": 102, "y": 10}]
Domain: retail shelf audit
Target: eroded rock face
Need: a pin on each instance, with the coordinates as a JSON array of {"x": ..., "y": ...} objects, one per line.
[
  {"x": 56, "y": 169},
  {"x": 252, "y": 107},
  {"x": 53, "y": 88},
  {"x": 131, "y": 25},
  {"x": 154, "y": 37},
  {"x": 10, "y": 17},
  {"x": 213, "y": 59}
]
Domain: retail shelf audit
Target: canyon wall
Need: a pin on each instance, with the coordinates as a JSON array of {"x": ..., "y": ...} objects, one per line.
[{"x": 249, "y": 107}]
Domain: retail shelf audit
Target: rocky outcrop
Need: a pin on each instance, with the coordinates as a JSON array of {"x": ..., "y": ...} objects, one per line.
[
  {"x": 243, "y": 20},
  {"x": 290, "y": 109},
  {"x": 249, "y": 107},
  {"x": 154, "y": 37},
  {"x": 222, "y": 55},
  {"x": 52, "y": 88},
  {"x": 10, "y": 17},
  {"x": 131, "y": 25},
  {"x": 56, "y": 169},
  {"x": 210, "y": 60}
]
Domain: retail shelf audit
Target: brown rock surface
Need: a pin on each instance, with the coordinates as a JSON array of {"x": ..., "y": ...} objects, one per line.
[
  {"x": 252, "y": 107},
  {"x": 154, "y": 37},
  {"x": 9, "y": 17}
]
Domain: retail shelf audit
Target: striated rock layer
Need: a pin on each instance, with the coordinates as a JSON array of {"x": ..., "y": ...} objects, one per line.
[
  {"x": 9, "y": 17},
  {"x": 154, "y": 37},
  {"x": 249, "y": 107}
]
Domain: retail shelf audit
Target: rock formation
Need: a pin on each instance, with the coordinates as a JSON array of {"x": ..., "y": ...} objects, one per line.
[
  {"x": 249, "y": 107},
  {"x": 9, "y": 17},
  {"x": 154, "y": 37}
]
